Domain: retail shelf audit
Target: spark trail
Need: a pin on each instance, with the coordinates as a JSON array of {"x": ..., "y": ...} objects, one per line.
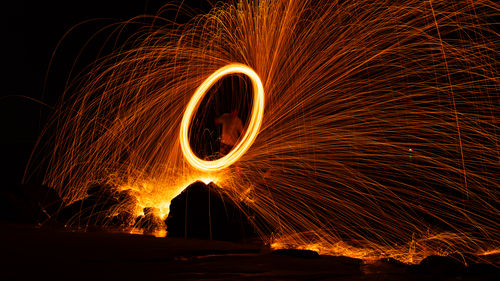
[{"x": 361, "y": 151}]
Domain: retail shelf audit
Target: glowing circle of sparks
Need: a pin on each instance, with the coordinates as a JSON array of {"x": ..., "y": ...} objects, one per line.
[{"x": 250, "y": 133}]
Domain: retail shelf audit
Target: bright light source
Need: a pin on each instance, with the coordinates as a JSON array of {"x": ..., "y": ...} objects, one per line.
[{"x": 253, "y": 126}]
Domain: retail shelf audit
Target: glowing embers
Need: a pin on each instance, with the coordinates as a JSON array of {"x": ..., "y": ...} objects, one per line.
[{"x": 249, "y": 134}]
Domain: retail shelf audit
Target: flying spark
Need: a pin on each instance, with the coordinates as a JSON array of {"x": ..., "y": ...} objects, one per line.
[{"x": 349, "y": 87}]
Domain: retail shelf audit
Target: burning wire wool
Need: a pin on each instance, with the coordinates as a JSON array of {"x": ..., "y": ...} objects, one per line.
[
  {"x": 251, "y": 131},
  {"x": 379, "y": 138}
]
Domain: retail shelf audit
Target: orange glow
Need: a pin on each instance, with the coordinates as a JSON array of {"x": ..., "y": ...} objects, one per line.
[
  {"x": 156, "y": 233},
  {"x": 160, "y": 194},
  {"x": 380, "y": 136},
  {"x": 251, "y": 131}
]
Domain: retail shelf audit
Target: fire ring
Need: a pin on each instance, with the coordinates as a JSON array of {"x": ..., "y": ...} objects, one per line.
[{"x": 250, "y": 133}]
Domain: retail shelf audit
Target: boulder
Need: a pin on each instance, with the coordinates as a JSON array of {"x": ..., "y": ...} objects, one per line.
[
  {"x": 95, "y": 209},
  {"x": 439, "y": 265},
  {"x": 28, "y": 203},
  {"x": 151, "y": 221},
  {"x": 207, "y": 212}
]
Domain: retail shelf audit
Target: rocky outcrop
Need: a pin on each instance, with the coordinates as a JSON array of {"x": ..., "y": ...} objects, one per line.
[
  {"x": 28, "y": 203},
  {"x": 103, "y": 206},
  {"x": 207, "y": 212}
]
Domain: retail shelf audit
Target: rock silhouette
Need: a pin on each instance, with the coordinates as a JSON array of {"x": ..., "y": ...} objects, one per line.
[
  {"x": 206, "y": 212},
  {"x": 96, "y": 209},
  {"x": 439, "y": 265},
  {"x": 28, "y": 203},
  {"x": 151, "y": 220}
]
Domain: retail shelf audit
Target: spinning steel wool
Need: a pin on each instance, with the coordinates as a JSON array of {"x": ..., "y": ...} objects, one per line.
[{"x": 378, "y": 135}]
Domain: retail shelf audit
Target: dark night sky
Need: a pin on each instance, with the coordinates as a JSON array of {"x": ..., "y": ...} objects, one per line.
[{"x": 31, "y": 31}]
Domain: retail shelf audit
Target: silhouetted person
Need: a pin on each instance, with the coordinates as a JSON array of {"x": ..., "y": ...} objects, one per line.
[{"x": 232, "y": 127}]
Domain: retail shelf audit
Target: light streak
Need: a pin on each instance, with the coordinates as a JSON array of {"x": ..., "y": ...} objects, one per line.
[
  {"x": 250, "y": 133},
  {"x": 350, "y": 87}
]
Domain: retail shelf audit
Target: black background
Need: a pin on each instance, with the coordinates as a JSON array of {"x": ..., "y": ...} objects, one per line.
[{"x": 31, "y": 31}]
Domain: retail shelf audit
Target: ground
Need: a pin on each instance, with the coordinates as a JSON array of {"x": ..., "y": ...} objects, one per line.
[{"x": 31, "y": 252}]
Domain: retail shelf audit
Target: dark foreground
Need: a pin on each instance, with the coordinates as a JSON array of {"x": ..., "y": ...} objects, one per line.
[{"x": 30, "y": 253}]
